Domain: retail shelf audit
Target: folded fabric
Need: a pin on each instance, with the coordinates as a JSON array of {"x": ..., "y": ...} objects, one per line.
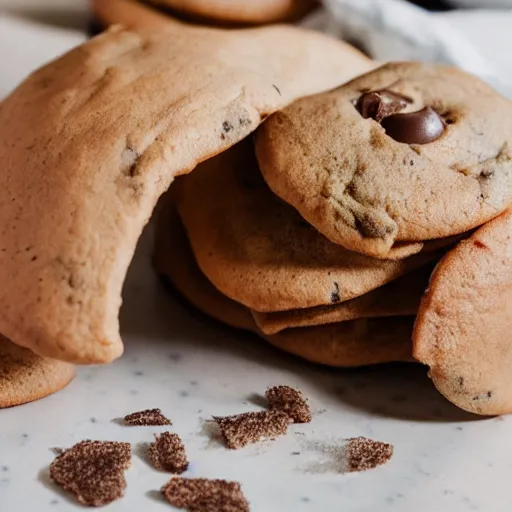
[{"x": 398, "y": 30}]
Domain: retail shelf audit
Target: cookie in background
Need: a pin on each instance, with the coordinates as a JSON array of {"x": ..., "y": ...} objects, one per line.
[{"x": 234, "y": 13}]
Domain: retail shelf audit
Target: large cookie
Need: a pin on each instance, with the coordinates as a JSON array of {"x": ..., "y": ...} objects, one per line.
[
  {"x": 463, "y": 327},
  {"x": 25, "y": 377},
  {"x": 258, "y": 250},
  {"x": 89, "y": 142},
  {"x": 348, "y": 344},
  {"x": 398, "y": 298},
  {"x": 233, "y": 12},
  {"x": 406, "y": 153}
]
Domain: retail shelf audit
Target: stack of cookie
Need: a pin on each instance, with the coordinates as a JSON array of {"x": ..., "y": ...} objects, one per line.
[{"x": 321, "y": 234}]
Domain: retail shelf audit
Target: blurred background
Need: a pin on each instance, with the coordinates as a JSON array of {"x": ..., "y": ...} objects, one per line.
[{"x": 473, "y": 34}]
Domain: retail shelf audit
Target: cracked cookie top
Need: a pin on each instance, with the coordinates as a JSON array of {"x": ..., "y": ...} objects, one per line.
[{"x": 407, "y": 153}]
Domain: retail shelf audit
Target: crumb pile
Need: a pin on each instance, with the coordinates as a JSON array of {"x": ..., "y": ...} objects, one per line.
[
  {"x": 290, "y": 401},
  {"x": 363, "y": 454},
  {"x": 251, "y": 427},
  {"x": 168, "y": 453},
  {"x": 203, "y": 495},
  {"x": 147, "y": 418},
  {"x": 93, "y": 471}
]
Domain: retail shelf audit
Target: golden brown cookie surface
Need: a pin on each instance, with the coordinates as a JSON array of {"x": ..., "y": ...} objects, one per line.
[
  {"x": 123, "y": 115},
  {"x": 398, "y": 298},
  {"x": 408, "y": 152},
  {"x": 129, "y": 14},
  {"x": 463, "y": 327},
  {"x": 223, "y": 12},
  {"x": 241, "y": 11},
  {"x": 25, "y": 377}
]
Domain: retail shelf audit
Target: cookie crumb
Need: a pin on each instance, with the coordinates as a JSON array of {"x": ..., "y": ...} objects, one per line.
[
  {"x": 203, "y": 495},
  {"x": 93, "y": 471},
  {"x": 363, "y": 454},
  {"x": 251, "y": 427},
  {"x": 290, "y": 401},
  {"x": 168, "y": 453},
  {"x": 147, "y": 418}
]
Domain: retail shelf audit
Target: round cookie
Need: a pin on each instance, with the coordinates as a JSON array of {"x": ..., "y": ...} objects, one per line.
[
  {"x": 406, "y": 153},
  {"x": 254, "y": 12},
  {"x": 258, "y": 250},
  {"x": 89, "y": 142},
  {"x": 399, "y": 298},
  {"x": 462, "y": 331},
  {"x": 25, "y": 377}
]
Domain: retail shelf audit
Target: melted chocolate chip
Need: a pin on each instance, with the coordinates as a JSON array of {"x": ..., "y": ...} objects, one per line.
[
  {"x": 381, "y": 104},
  {"x": 420, "y": 127}
]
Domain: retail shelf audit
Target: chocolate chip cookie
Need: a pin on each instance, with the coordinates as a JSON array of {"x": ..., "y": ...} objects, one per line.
[{"x": 406, "y": 153}]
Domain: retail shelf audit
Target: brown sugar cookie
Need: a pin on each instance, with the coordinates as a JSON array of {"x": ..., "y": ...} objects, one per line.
[
  {"x": 398, "y": 298},
  {"x": 25, "y": 377},
  {"x": 463, "y": 327},
  {"x": 259, "y": 251},
  {"x": 406, "y": 153},
  {"x": 133, "y": 13},
  {"x": 348, "y": 344},
  {"x": 90, "y": 141}
]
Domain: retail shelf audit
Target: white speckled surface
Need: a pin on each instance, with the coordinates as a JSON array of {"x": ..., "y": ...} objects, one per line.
[{"x": 445, "y": 460}]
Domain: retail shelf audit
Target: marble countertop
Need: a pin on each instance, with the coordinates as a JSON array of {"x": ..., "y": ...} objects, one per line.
[{"x": 191, "y": 368}]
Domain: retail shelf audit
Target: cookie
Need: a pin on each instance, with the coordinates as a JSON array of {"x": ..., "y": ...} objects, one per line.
[
  {"x": 398, "y": 298},
  {"x": 348, "y": 344},
  {"x": 463, "y": 327},
  {"x": 241, "y": 11},
  {"x": 406, "y": 153},
  {"x": 25, "y": 377},
  {"x": 173, "y": 259},
  {"x": 132, "y": 13},
  {"x": 90, "y": 141},
  {"x": 259, "y": 251}
]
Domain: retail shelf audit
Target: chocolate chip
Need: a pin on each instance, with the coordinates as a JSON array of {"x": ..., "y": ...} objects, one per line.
[
  {"x": 335, "y": 294},
  {"x": 381, "y": 104},
  {"x": 420, "y": 127},
  {"x": 372, "y": 227},
  {"x": 227, "y": 126}
]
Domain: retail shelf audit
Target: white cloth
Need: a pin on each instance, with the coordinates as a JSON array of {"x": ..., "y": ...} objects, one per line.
[{"x": 477, "y": 41}]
